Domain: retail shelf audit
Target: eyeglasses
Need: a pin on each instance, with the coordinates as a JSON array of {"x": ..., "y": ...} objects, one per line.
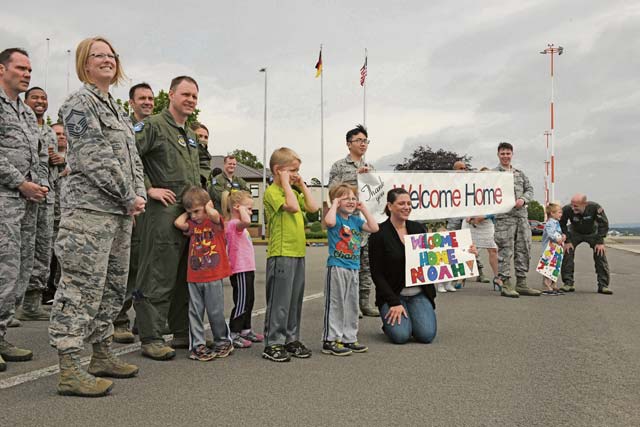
[
  {"x": 350, "y": 199},
  {"x": 361, "y": 141},
  {"x": 102, "y": 56}
]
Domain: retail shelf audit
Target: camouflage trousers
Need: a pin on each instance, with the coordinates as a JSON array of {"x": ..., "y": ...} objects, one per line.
[
  {"x": 17, "y": 238},
  {"x": 513, "y": 237},
  {"x": 43, "y": 248},
  {"x": 93, "y": 251},
  {"x": 366, "y": 283}
]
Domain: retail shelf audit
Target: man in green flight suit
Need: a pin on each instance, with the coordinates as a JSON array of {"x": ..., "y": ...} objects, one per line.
[
  {"x": 202, "y": 132},
  {"x": 169, "y": 152},
  {"x": 226, "y": 181}
]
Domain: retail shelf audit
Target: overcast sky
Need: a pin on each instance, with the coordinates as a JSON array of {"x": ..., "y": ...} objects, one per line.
[{"x": 458, "y": 75}]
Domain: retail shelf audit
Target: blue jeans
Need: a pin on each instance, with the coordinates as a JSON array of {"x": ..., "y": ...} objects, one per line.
[{"x": 421, "y": 322}]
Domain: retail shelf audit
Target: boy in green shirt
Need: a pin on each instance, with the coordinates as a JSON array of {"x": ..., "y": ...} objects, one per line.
[{"x": 284, "y": 202}]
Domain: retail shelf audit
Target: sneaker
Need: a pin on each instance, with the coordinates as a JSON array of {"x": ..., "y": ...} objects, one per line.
[
  {"x": 276, "y": 353},
  {"x": 548, "y": 292},
  {"x": 297, "y": 349},
  {"x": 605, "y": 290},
  {"x": 335, "y": 348},
  {"x": 253, "y": 337},
  {"x": 241, "y": 342},
  {"x": 223, "y": 349},
  {"x": 449, "y": 287},
  {"x": 356, "y": 347},
  {"x": 440, "y": 287},
  {"x": 202, "y": 354}
]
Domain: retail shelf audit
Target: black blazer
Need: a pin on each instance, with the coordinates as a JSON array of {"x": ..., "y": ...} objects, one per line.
[{"x": 387, "y": 262}]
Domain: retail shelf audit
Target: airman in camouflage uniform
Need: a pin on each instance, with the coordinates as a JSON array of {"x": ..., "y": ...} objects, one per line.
[
  {"x": 31, "y": 308},
  {"x": 23, "y": 182},
  {"x": 99, "y": 197},
  {"x": 512, "y": 231},
  {"x": 347, "y": 170}
]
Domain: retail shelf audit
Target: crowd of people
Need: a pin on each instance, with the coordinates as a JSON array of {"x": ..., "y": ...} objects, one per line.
[{"x": 138, "y": 219}]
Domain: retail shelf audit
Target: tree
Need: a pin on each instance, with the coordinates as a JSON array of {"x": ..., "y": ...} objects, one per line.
[
  {"x": 247, "y": 158},
  {"x": 315, "y": 181},
  {"x": 424, "y": 158},
  {"x": 535, "y": 211}
]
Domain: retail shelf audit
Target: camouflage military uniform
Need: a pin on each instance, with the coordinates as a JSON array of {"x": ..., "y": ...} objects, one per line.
[
  {"x": 512, "y": 232},
  {"x": 95, "y": 231},
  {"x": 221, "y": 183},
  {"x": 44, "y": 223},
  {"x": 346, "y": 170},
  {"x": 20, "y": 161},
  {"x": 169, "y": 153}
]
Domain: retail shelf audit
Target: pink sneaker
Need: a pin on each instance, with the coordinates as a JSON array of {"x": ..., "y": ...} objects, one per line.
[
  {"x": 240, "y": 342},
  {"x": 253, "y": 337}
]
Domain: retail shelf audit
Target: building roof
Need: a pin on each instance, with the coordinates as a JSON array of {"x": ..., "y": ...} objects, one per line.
[{"x": 242, "y": 170}]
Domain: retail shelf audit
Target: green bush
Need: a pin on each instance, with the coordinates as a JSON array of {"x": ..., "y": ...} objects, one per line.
[
  {"x": 316, "y": 235},
  {"x": 316, "y": 227}
]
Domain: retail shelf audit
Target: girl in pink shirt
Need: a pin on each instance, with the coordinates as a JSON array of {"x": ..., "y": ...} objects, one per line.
[{"x": 237, "y": 208}]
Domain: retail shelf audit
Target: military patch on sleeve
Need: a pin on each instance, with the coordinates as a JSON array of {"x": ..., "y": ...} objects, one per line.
[
  {"x": 192, "y": 143},
  {"x": 76, "y": 123},
  {"x": 600, "y": 210},
  {"x": 138, "y": 127},
  {"x": 213, "y": 181}
]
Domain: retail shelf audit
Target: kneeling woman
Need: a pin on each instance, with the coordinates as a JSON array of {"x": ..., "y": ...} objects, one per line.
[{"x": 406, "y": 311}]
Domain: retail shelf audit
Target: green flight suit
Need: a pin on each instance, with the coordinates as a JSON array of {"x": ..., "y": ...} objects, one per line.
[
  {"x": 170, "y": 158},
  {"x": 205, "y": 164},
  {"x": 221, "y": 183}
]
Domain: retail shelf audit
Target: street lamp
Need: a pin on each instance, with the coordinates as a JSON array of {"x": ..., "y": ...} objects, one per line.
[
  {"x": 546, "y": 170},
  {"x": 264, "y": 152},
  {"x": 552, "y": 50}
]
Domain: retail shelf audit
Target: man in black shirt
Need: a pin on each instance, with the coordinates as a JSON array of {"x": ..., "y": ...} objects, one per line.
[{"x": 588, "y": 224}]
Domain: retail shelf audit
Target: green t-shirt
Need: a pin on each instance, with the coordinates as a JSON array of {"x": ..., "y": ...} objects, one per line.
[{"x": 286, "y": 229}]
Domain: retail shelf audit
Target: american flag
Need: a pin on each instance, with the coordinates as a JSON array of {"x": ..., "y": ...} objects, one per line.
[{"x": 363, "y": 72}]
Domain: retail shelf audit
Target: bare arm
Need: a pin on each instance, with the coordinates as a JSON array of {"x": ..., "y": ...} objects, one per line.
[
  {"x": 181, "y": 222},
  {"x": 290, "y": 201},
  {"x": 330, "y": 217},
  {"x": 245, "y": 217},
  {"x": 310, "y": 205},
  {"x": 212, "y": 213},
  {"x": 371, "y": 226}
]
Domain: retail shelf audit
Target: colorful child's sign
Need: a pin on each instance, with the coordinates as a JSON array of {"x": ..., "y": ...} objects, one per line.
[
  {"x": 439, "y": 257},
  {"x": 551, "y": 261}
]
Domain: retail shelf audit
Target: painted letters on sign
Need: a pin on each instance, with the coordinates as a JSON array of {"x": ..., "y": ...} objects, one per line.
[{"x": 551, "y": 261}]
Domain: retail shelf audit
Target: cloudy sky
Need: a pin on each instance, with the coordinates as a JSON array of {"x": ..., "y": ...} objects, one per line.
[{"x": 458, "y": 75}]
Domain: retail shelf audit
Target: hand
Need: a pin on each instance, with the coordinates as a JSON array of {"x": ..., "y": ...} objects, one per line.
[
  {"x": 361, "y": 206},
  {"x": 599, "y": 249},
  {"x": 56, "y": 159},
  {"x": 519, "y": 203},
  {"x": 65, "y": 172},
  {"x": 568, "y": 247},
  {"x": 364, "y": 169},
  {"x": 164, "y": 196},
  {"x": 32, "y": 191},
  {"x": 395, "y": 314},
  {"x": 473, "y": 249},
  {"x": 284, "y": 175},
  {"x": 296, "y": 179},
  {"x": 138, "y": 206}
]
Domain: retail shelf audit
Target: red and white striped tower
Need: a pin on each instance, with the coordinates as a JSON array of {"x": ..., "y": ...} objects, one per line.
[
  {"x": 551, "y": 50},
  {"x": 547, "y": 134}
]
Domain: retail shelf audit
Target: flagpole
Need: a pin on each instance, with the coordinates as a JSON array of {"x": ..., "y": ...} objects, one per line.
[
  {"x": 46, "y": 67},
  {"x": 264, "y": 150},
  {"x": 321, "y": 137},
  {"x": 364, "y": 96}
]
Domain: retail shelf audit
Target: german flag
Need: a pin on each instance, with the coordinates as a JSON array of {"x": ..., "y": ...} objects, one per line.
[{"x": 319, "y": 65}]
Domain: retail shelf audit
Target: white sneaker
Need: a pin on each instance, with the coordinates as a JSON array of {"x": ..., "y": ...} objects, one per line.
[
  {"x": 449, "y": 287},
  {"x": 440, "y": 287}
]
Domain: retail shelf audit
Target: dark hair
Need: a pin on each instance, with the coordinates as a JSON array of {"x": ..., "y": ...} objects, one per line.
[
  {"x": 5, "y": 55},
  {"x": 197, "y": 125},
  {"x": 31, "y": 89},
  {"x": 392, "y": 195},
  {"x": 216, "y": 171},
  {"x": 177, "y": 80},
  {"x": 143, "y": 85},
  {"x": 195, "y": 196},
  {"x": 358, "y": 129},
  {"x": 505, "y": 146}
]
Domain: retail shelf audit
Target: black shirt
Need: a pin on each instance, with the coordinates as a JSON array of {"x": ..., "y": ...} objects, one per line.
[
  {"x": 592, "y": 221},
  {"x": 387, "y": 262}
]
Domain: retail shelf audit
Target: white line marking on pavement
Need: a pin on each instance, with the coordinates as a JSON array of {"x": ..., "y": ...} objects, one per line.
[{"x": 54, "y": 369}]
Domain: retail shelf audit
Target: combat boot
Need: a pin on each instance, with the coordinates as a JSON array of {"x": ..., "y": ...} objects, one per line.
[
  {"x": 523, "y": 289},
  {"x": 11, "y": 353},
  {"x": 13, "y": 323},
  {"x": 568, "y": 287},
  {"x": 508, "y": 289},
  {"x": 32, "y": 309},
  {"x": 104, "y": 363},
  {"x": 3, "y": 365},
  {"x": 75, "y": 381},
  {"x": 158, "y": 351},
  {"x": 481, "y": 277},
  {"x": 122, "y": 335},
  {"x": 365, "y": 306}
]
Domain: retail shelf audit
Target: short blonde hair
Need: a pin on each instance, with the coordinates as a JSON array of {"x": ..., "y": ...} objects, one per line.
[
  {"x": 233, "y": 197},
  {"x": 281, "y": 157},
  {"x": 338, "y": 190},
  {"x": 551, "y": 207},
  {"x": 82, "y": 56}
]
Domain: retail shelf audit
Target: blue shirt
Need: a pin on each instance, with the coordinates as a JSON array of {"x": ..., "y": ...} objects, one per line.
[
  {"x": 552, "y": 232},
  {"x": 344, "y": 242}
]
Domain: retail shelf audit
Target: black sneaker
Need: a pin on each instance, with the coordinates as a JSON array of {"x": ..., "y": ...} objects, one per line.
[
  {"x": 276, "y": 353},
  {"x": 335, "y": 348},
  {"x": 356, "y": 347},
  {"x": 297, "y": 349}
]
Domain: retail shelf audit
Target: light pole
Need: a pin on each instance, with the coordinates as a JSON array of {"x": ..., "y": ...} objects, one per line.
[
  {"x": 46, "y": 67},
  {"x": 264, "y": 151},
  {"x": 68, "y": 68},
  {"x": 552, "y": 50}
]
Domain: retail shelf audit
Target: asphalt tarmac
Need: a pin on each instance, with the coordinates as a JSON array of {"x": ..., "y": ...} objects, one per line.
[{"x": 568, "y": 360}]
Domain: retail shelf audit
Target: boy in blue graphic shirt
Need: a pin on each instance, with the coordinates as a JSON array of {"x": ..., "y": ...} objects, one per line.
[{"x": 344, "y": 232}]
